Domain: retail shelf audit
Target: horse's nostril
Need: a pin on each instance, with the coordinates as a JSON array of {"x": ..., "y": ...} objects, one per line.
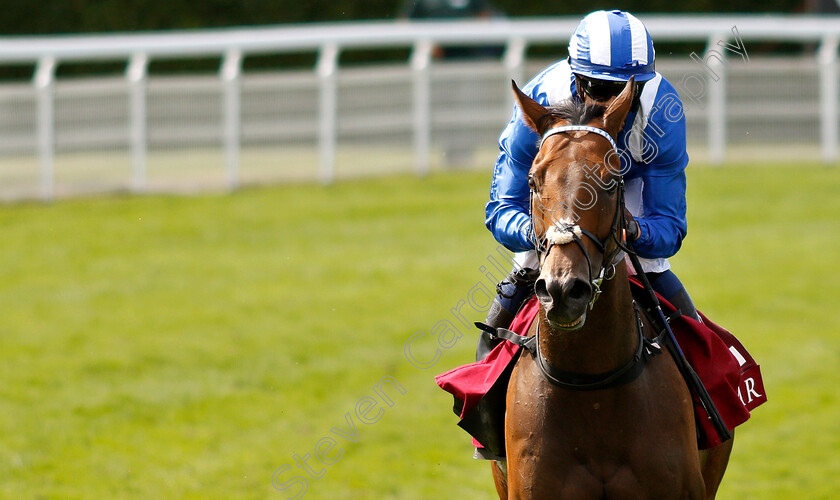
[
  {"x": 579, "y": 290},
  {"x": 541, "y": 289}
]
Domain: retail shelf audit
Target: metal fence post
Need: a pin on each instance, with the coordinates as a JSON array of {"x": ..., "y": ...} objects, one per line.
[
  {"x": 421, "y": 58},
  {"x": 327, "y": 67},
  {"x": 136, "y": 73},
  {"x": 514, "y": 60},
  {"x": 44, "y": 81},
  {"x": 231, "y": 75},
  {"x": 827, "y": 58},
  {"x": 715, "y": 60}
]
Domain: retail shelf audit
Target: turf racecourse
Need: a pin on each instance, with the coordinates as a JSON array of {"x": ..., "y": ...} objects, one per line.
[{"x": 211, "y": 346}]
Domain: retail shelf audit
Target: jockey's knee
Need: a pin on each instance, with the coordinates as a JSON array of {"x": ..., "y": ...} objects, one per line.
[{"x": 513, "y": 292}]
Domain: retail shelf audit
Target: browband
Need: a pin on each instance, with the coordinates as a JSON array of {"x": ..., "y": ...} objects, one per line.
[{"x": 573, "y": 128}]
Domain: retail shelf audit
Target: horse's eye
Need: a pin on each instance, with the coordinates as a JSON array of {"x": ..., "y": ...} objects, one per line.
[{"x": 531, "y": 183}]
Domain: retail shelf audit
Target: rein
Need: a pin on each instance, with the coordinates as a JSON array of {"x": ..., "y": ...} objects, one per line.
[
  {"x": 564, "y": 233},
  {"x": 645, "y": 350},
  {"x": 561, "y": 233}
]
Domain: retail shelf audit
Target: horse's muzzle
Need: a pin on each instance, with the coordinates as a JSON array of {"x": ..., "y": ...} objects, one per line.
[{"x": 564, "y": 300}]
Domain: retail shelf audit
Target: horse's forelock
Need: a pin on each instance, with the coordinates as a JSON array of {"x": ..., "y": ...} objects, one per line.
[{"x": 576, "y": 112}]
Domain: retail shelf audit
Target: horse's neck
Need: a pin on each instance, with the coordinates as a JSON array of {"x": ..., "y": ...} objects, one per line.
[{"x": 605, "y": 342}]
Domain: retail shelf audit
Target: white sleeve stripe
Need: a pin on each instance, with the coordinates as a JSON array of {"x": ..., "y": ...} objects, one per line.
[
  {"x": 634, "y": 140},
  {"x": 639, "y": 37},
  {"x": 599, "y": 38},
  {"x": 557, "y": 84},
  {"x": 647, "y": 98}
]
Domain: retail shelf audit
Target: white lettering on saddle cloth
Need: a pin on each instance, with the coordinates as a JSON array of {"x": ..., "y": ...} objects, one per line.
[
  {"x": 749, "y": 389},
  {"x": 562, "y": 234},
  {"x": 748, "y": 386},
  {"x": 741, "y": 360}
]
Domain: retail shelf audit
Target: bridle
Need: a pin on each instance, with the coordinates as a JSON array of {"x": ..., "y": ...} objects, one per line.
[{"x": 561, "y": 233}]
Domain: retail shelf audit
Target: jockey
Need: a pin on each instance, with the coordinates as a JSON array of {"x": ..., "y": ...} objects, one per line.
[{"x": 606, "y": 49}]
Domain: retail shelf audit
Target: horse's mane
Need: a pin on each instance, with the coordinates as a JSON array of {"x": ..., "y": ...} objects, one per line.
[{"x": 574, "y": 112}]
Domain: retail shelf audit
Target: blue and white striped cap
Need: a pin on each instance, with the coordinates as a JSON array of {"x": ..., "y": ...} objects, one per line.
[{"x": 612, "y": 45}]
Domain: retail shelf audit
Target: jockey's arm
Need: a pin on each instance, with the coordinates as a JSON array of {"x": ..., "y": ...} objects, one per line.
[
  {"x": 507, "y": 213},
  {"x": 663, "y": 226}
]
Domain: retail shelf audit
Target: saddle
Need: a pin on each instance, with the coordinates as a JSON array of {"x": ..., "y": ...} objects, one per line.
[{"x": 727, "y": 370}]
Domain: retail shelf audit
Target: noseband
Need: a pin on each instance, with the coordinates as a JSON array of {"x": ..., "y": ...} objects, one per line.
[{"x": 561, "y": 232}]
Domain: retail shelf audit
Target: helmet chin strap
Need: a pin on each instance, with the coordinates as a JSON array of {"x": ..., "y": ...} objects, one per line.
[{"x": 579, "y": 90}]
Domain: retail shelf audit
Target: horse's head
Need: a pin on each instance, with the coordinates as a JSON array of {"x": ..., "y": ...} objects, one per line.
[{"x": 576, "y": 201}]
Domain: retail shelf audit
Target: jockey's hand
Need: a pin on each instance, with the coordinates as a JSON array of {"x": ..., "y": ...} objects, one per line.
[{"x": 632, "y": 229}]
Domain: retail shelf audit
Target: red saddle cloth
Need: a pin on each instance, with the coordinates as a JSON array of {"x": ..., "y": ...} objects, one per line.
[{"x": 729, "y": 373}]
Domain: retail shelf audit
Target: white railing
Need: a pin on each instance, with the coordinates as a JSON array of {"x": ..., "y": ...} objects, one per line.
[{"x": 330, "y": 40}]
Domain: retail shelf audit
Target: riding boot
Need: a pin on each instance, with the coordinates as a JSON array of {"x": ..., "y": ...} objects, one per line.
[
  {"x": 683, "y": 302},
  {"x": 513, "y": 292},
  {"x": 669, "y": 286}
]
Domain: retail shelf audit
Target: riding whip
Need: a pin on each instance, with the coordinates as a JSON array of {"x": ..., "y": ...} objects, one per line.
[{"x": 683, "y": 365}]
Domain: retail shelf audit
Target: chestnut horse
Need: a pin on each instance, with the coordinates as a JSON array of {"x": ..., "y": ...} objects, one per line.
[{"x": 594, "y": 413}]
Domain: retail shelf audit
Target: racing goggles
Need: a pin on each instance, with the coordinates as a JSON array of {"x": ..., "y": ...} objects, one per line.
[{"x": 599, "y": 90}]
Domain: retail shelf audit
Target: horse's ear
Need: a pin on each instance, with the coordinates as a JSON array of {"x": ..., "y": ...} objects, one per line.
[
  {"x": 532, "y": 111},
  {"x": 617, "y": 111}
]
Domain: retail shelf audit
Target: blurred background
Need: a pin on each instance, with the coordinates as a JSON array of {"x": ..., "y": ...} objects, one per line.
[
  {"x": 223, "y": 221},
  {"x": 184, "y": 96}
]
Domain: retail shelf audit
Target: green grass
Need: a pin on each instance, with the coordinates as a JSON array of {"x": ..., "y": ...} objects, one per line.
[{"x": 188, "y": 347}]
